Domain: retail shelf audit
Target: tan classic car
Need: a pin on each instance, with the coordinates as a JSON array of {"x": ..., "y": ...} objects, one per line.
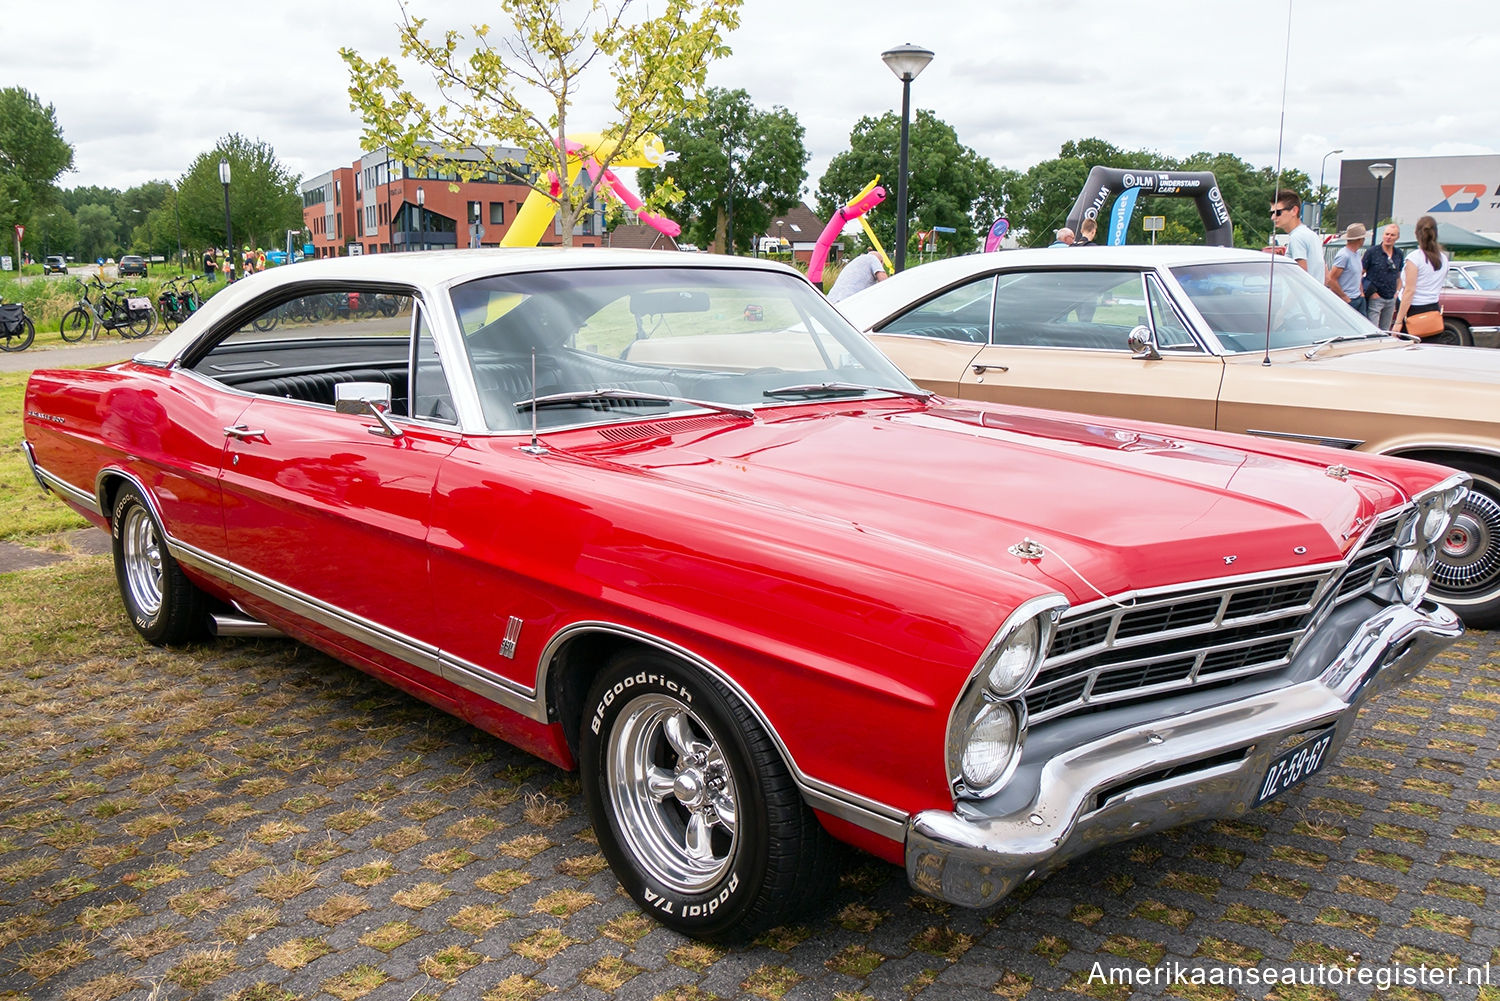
[{"x": 1212, "y": 338}]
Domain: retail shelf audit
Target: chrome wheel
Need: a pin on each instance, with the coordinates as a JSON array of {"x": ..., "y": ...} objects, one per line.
[
  {"x": 674, "y": 799},
  {"x": 1468, "y": 561},
  {"x": 141, "y": 553}
]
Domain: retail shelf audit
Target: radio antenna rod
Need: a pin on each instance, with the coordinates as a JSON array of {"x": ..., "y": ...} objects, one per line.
[
  {"x": 1286, "y": 62},
  {"x": 536, "y": 447}
]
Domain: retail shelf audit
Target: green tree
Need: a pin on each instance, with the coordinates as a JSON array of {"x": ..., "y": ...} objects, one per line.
[
  {"x": 33, "y": 154},
  {"x": 263, "y": 198},
  {"x": 948, "y": 183},
  {"x": 98, "y": 231},
  {"x": 491, "y": 89},
  {"x": 733, "y": 158}
]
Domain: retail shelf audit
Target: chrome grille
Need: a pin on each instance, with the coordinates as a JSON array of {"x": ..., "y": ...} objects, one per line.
[{"x": 1166, "y": 641}]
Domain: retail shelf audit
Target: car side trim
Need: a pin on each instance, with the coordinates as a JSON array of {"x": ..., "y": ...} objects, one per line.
[
  {"x": 1313, "y": 439},
  {"x": 1407, "y": 447},
  {"x": 836, "y": 801},
  {"x": 63, "y": 488}
]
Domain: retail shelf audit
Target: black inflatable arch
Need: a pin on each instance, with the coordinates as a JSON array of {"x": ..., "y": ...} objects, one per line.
[{"x": 1107, "y": 183}]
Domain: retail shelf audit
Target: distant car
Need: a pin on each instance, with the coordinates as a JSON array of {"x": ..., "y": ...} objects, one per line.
[
  {"x": 1471, "y": 303},
  {"x": 742, "y": 573},
  {"x": 1181, "y": 335},
  {"x": 132, "y": 264},
  {"x": 54, "y": 265}
]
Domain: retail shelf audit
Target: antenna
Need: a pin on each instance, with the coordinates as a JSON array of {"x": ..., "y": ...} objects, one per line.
[
  {"x": 1286, "y": 62},
  {"x": 536, "y": 447}
]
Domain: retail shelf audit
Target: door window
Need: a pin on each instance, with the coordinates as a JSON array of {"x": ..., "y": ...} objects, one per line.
[
  {"x": 1171, "y": 333},
  {"x": 960, "y": 314},
  {"x": 1069, "y": 309},
  {"x": 431, "y": 397}
]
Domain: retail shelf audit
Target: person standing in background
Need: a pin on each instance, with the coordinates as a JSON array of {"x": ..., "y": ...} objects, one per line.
[
  {"x": 859, "y": 274},
  {"x": 1422, "y": 279},
  {"x": 1384, "y": 264},
  {"x": 210, "y": 266},
  {"x": 1346, "y": 277},
  {"x": 1302, "y": 244}
]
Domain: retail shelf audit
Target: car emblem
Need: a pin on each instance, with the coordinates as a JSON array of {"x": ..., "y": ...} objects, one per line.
[
  {"x": 1229, "y": 559},
  {"x": 1338, "y": 472}
]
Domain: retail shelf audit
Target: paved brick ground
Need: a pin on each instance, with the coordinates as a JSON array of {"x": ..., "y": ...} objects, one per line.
[{"x": 253, "y": 820}]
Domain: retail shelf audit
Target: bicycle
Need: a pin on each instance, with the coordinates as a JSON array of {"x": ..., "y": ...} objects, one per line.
[
  {"x": 16, "y": 329},
  {"x": 176, "y": 303},
  {"x": 132, "y": 315}
]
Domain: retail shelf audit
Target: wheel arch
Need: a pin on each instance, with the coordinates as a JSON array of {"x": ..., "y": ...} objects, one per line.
[
  {"x": 107, "y": 486},
  {"x": 1446, "y": 453},
  {"x": 576, "y": 654}
]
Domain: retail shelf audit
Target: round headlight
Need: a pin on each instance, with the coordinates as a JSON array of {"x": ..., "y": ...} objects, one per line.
[
  {"x": 989, "y": 745},
  {"x": 1435, "y": 523},
  {"x": 1015, "y": 659},
  {"x": 1414, "y": 587}
]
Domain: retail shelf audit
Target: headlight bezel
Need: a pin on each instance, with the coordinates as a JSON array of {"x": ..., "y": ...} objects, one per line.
[
  {"x": 1421, "y": 534},
  {"x": 1041, "y": 614}
]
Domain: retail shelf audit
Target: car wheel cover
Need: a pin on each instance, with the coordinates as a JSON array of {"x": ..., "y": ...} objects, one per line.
[
  {"x": 1468, "y": 563},
  {"x": 672, "y": 793},
  {"x": 140, "y": 548}
]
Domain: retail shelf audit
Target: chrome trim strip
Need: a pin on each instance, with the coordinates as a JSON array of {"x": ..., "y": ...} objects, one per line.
[
  {"x": 36, "y": 471},
  {"x": 880, "y": 818},
  {"x": 63, "y": 488},
  {"x": 423, "y": 656},
  {"x": 1331, "y": 441}
]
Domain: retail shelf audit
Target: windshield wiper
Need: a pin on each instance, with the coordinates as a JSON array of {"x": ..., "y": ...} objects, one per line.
[
  {"x": 1341, "y": 338},
  {"x": 628, "y": 396},
  {"x": 811, "y": 389}
]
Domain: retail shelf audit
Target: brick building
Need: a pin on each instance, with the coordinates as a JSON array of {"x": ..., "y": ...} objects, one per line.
[{"x": 377, "y": 205}]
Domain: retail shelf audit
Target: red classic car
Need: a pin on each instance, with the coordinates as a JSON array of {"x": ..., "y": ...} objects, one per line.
[
  {"x": 1471, "y": 303},
  {"x": 750, "y": 580}
]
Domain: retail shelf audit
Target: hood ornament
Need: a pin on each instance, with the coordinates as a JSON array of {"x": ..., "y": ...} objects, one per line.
[
  {"x": 1229, "y": 559},
  {"x": 1027, "y": 550},
  {"x": 1338, "y": 472}
]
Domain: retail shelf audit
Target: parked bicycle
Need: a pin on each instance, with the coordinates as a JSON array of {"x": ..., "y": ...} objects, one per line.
[
  {"x": 132, "y": 315},
  {"x": 178, "y": 300},
  {"x": 16, "y": 329}
]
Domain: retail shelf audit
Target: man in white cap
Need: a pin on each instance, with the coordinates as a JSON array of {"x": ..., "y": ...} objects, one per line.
[{"x": 1348, "y": 271}]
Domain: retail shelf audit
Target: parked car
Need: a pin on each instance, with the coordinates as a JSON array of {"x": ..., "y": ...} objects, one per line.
[
  {"x": 54, "y": 265},
  {"x": 1179, "y": 334},
  {"x": 753, "y": 583},
  {"x": 132, "y": 264},
  {"x": 1471, "y": 303}
]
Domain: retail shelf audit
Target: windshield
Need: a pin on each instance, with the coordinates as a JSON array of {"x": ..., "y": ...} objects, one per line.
[
  {"x": 677, "y": 338},
  {"x": 1486, "y": 276},
  {"x": 1239, "y": 301}
]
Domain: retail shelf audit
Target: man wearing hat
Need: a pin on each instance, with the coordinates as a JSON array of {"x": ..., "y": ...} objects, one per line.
[{"x": 1347, "y": 273}]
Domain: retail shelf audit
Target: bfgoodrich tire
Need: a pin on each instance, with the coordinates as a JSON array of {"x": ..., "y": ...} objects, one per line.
[
  {"x": 692, "y": 805},
  {"x": 164, "y": 606}
]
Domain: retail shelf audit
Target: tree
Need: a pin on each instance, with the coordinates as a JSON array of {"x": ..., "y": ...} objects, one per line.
[
  {"x": 489, "y": 93},
  {"x": 733, "y": 161},
  {"x": 33, "y": 154},
  {"x": 98, "y": 231},
  {"x": 263, "y": 198},
  {"x": 948, "y": 183}
]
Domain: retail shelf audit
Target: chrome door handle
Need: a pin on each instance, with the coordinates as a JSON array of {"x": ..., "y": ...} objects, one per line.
[
  {"x": 244, "y": 432},
  {"x": 981, "y": 369}
]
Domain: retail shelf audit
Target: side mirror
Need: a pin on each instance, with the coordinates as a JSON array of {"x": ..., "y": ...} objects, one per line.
[
  {"x": 1142, "y": 345},
  {"x": 373, "y": 398}
]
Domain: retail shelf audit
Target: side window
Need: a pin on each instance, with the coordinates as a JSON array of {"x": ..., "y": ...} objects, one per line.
[
  {"x": 300, "y": 348},
  {"x": 1171, "y": 333},
  {"x": 960, "y": 314},
  {"x": 1069, "y": 309},
  {"x": 431, "y": 398},
  {"x": 1457, "y": 279}
]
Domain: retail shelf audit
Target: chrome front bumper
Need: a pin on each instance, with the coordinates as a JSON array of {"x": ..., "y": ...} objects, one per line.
[{"x": 1200, "y": 765}]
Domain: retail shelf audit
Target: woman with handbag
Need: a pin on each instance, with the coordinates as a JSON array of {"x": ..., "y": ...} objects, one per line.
[{"x": 1419, "y": 312}]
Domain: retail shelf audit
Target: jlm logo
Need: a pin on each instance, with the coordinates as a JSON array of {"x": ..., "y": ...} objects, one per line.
[{"x": 1459, "y": 198}]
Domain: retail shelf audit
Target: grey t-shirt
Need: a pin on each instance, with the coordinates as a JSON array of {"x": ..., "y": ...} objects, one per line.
[
  {"x": 1302, "y": 245},
  {"x": 858, "y": 275}
]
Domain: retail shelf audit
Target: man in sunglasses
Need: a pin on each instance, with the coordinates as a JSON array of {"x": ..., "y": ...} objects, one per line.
[{"x": 1302, "y": 244}]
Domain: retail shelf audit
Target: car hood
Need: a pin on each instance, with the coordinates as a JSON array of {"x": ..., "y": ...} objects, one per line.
[
  {"x": 1440, "y": 362},
  {"x": 1114, "y": 506}
]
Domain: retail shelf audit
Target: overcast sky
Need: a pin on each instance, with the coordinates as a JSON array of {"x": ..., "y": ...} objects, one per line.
[{"x": 141, "y": 89}]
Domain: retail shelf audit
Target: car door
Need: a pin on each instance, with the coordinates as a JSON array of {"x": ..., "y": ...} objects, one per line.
[
  {"x": 1059, "y": 340},
  {"x": 935, "y": 342},
  {"x": 326, "y": 512}
]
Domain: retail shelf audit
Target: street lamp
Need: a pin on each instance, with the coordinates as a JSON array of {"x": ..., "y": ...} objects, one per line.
[
  {"x": 17, "y": 201},
  {"x": 1321, "y": 168},
  {"x": 728, "y": 192},
  {"x": 1379, "y": 171},
  {"x": 228, "y": 227},
  {"x": 780, "y": 240},
  {"x": 906, "y": 61}
]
